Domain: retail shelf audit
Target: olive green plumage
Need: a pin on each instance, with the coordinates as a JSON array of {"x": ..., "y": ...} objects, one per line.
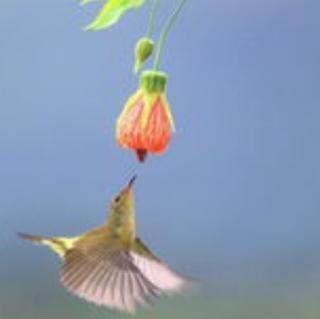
[{"x": 110, "y": 265}]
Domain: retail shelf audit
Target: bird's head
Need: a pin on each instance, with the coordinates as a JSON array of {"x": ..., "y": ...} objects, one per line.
[{"x": 124, "y": 200}]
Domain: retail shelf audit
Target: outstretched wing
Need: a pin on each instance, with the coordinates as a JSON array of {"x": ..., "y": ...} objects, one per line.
[
  {"x": 107, "y": 277},
  {"x": 157, "y": 272}
]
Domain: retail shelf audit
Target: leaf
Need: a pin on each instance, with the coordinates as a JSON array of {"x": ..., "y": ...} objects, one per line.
[
  {"x": 83, "y": 2},
  {"x": 111, "y": 13}
]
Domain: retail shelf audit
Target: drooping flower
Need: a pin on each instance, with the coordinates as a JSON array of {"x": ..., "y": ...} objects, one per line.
[
  {"x": 143, "y": 51},
  {"x": 146, "y": 123}
]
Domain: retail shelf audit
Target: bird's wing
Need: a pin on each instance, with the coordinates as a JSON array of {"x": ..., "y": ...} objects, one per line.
[
  {"x": 157, "y": 272},
  {"x": 107, "y": 277}
]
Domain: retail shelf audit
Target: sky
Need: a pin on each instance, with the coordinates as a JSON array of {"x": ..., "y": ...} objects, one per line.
[{"x": 234, "y": 202}]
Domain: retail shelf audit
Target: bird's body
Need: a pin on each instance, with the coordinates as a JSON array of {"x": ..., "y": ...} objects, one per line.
[{"x": 110, "y": 265}]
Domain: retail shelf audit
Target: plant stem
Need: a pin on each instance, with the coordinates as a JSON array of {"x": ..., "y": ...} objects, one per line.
[
  {"x": 153, "y": 11},
  {"x": 164, "y": 33}
]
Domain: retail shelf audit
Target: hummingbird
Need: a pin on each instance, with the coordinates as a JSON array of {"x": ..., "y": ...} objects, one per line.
[{"x": 110, "y": 265}]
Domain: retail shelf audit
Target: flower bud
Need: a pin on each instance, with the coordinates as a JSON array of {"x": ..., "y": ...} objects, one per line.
[{"x": 143, "y": 51}]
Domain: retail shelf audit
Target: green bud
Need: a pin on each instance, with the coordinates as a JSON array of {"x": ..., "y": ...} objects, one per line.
[{"x": 143, "y": 51}]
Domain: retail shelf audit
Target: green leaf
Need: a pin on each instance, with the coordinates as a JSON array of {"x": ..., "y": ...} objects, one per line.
[
  {"x": 112, "y": 12},
  {"x": 83, "y": 2}
]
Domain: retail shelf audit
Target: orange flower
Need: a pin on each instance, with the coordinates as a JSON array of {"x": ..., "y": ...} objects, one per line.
[{"x": 146, "y": 124}]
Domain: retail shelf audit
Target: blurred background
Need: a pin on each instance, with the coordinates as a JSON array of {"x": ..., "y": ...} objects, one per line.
[{"x": 234, "y": 202}]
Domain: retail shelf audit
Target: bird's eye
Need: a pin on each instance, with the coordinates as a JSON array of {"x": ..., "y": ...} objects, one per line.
[{"x": 117, "y": 199}]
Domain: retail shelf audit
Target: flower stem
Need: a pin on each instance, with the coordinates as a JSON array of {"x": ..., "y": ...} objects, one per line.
[
  {"x": 164, "y": 33},
  {"x": 152, "y": 13}
]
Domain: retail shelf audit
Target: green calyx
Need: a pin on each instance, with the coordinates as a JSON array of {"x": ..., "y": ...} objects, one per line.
[{"x": 153, "y": 81}]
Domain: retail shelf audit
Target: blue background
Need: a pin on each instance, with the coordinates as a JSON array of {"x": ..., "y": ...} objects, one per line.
[{"x": 234, "y": 202}]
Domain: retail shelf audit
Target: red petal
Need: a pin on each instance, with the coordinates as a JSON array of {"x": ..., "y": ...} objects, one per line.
[
  {"x": 158, "y": 131},
  {"x": 128, "y": 128}
]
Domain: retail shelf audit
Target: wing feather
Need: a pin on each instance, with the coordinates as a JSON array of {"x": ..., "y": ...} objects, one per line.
[
  {"x": 157, "y": 272},
  {"x": 108, "y": 278}
]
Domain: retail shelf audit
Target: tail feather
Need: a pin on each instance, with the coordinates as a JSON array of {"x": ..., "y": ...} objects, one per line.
[
  {"x": 59, "y": 245},
  {"x": 35, "y": 239}
]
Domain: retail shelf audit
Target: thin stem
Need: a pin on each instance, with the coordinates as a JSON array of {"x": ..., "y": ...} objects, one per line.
[
  {"x": 164, "y": 33},
  {"x": 153, "y": 11}
]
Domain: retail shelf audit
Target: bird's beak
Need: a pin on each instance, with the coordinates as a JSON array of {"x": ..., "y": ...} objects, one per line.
[{"x": 131, "y": 182}]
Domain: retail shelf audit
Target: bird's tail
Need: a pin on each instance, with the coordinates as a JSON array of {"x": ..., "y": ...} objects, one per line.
[
  {"x": 59, "y": 245},
  {"x": 35, "y": 239}
]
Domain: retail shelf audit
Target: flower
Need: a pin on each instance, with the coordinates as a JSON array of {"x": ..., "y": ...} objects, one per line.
[
  {"x": 146, "y": 123},
  {"x": 143, "y": 51}
]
